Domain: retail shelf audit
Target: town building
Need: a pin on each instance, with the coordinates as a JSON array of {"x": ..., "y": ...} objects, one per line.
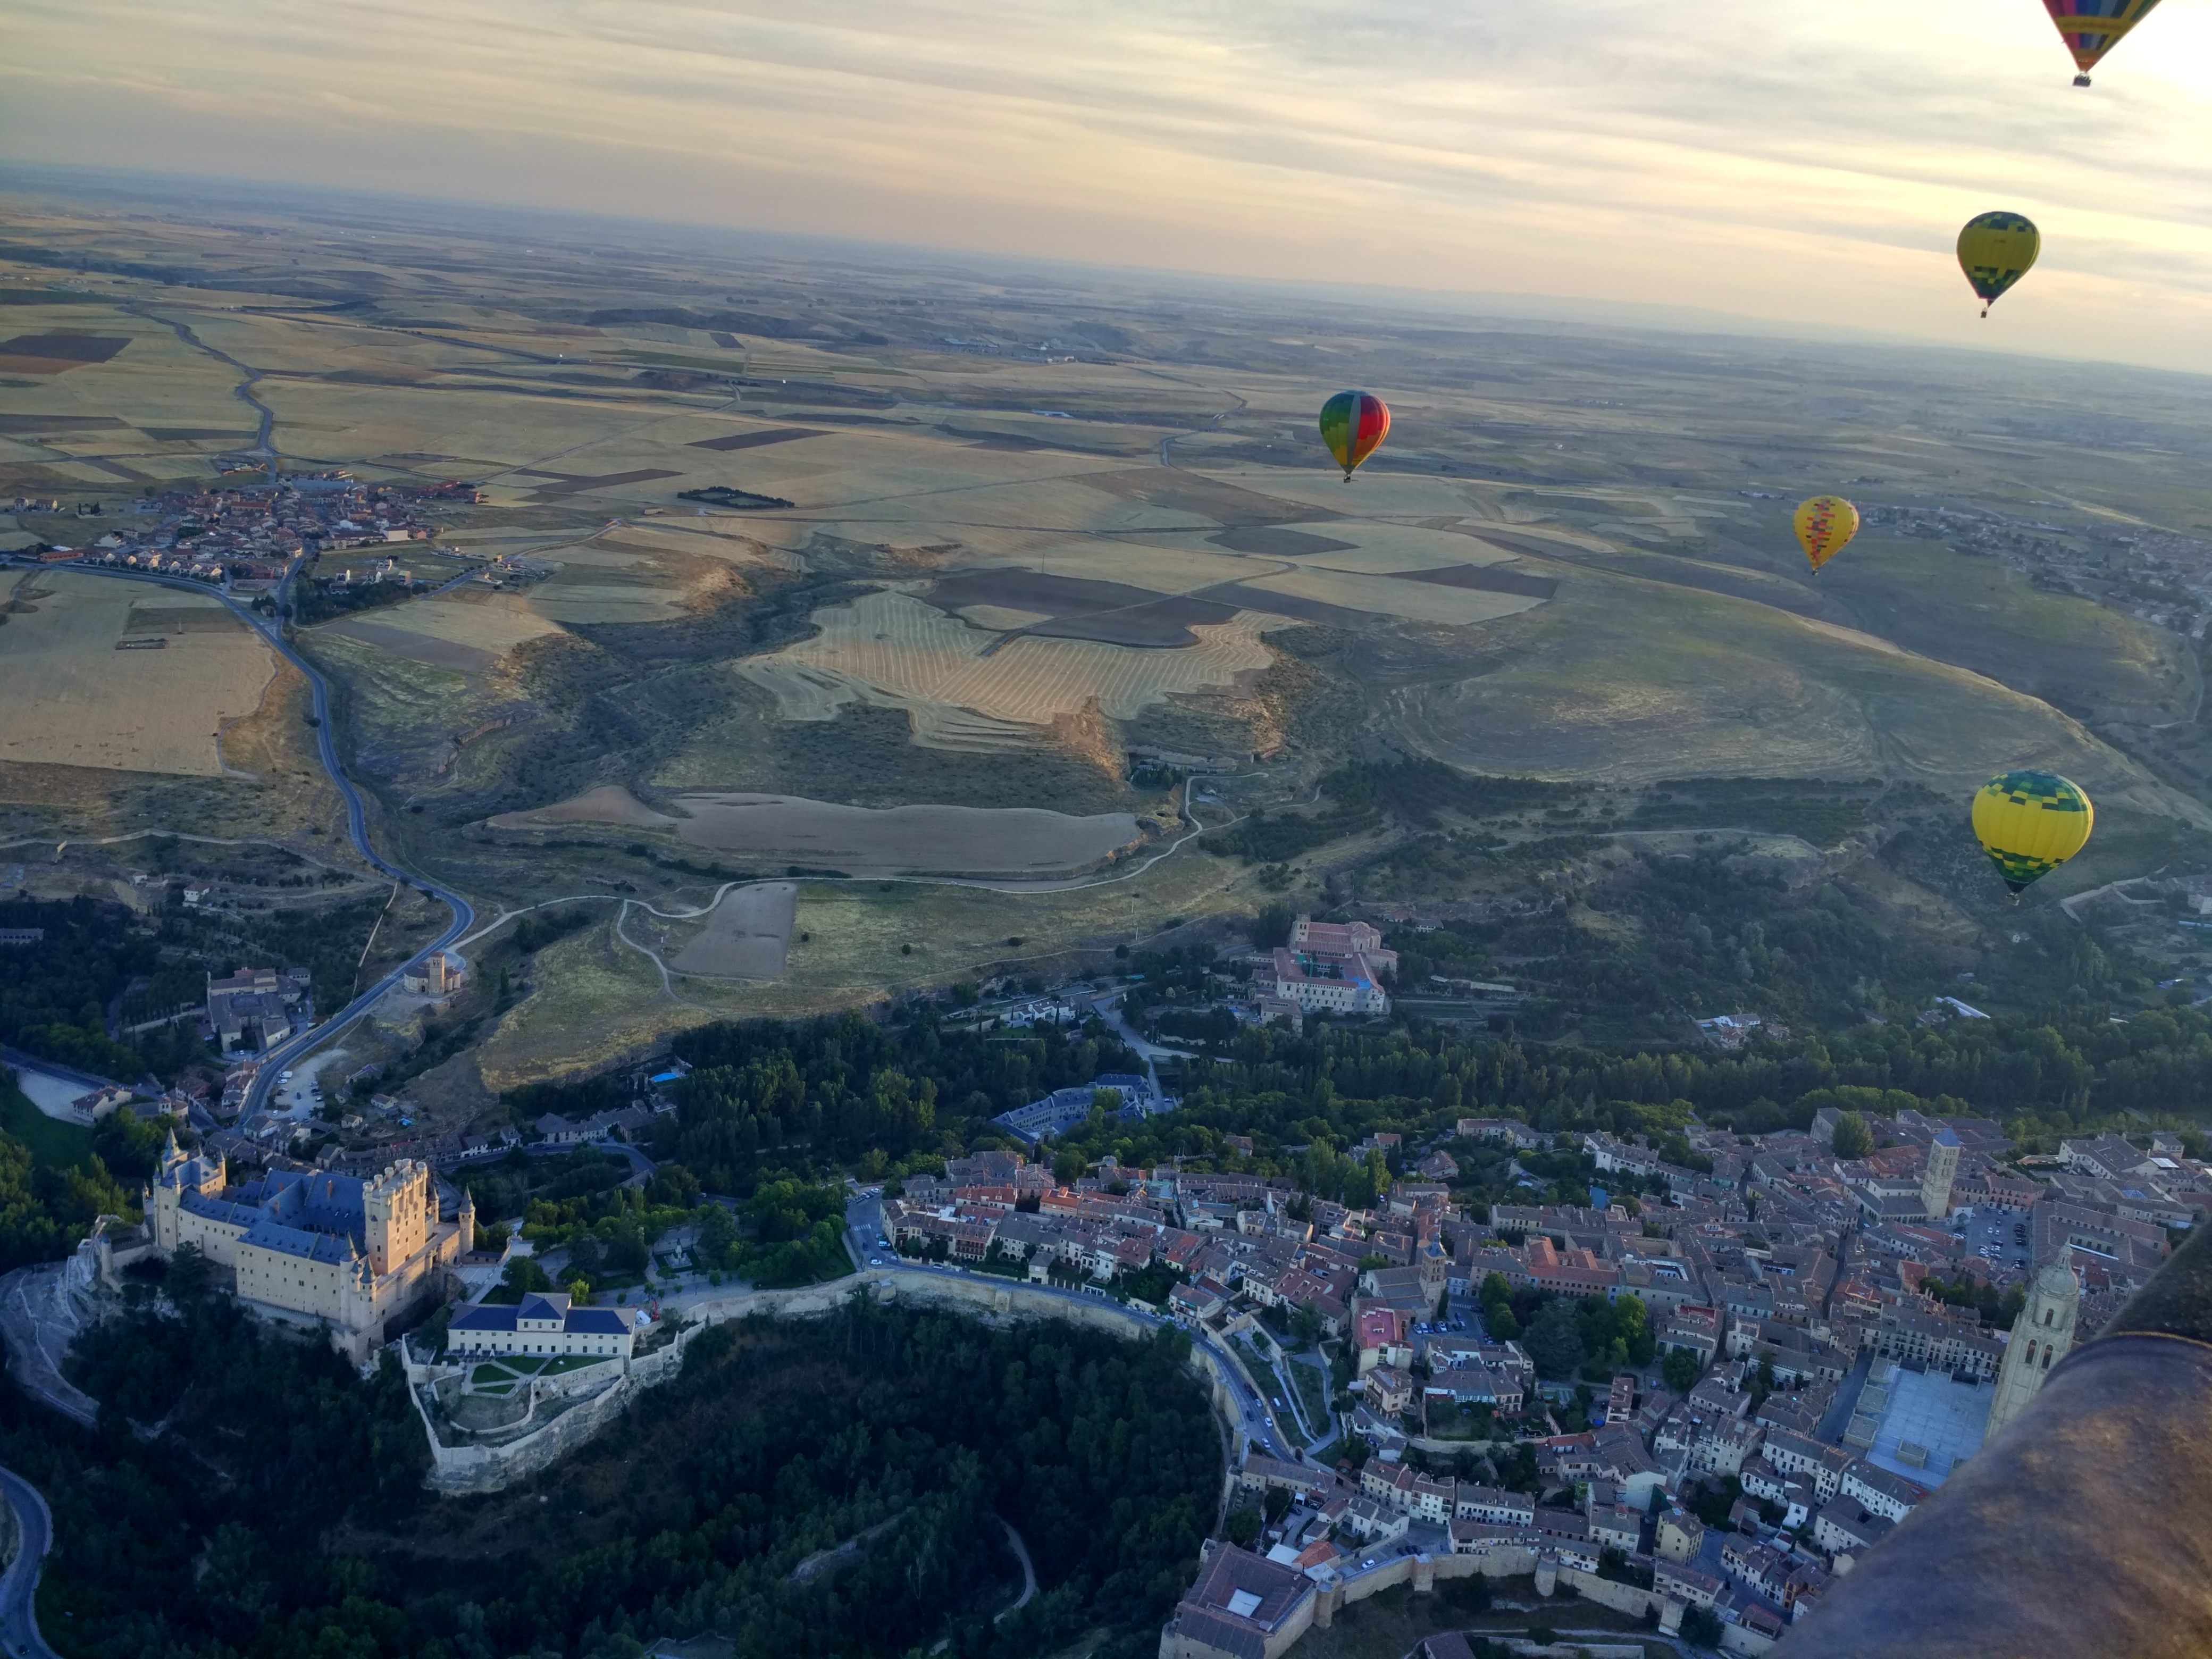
[
  {"x": 256, "y": 1008},
  {"x": 1244, "y": 1607},
  {"x": 1334, "y": 967},
  {"x": 543, "y": 1322}
]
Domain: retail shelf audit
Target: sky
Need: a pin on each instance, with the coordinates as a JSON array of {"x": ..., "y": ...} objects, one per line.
[{"x": 1796, "y": 163}]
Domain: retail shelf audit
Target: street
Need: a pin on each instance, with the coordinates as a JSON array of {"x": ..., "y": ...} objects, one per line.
[
  {"x": 271, "y": 631},
  {"x": 19, "y": 1624}
]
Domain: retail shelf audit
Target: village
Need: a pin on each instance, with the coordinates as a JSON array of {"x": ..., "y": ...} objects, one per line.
[{"x": 245, "y": 538}]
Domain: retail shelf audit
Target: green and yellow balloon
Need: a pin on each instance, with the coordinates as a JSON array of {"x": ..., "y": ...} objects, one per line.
[
  {"x": 2031, "y": 823},
  {"x": 1995, "y": 251}
]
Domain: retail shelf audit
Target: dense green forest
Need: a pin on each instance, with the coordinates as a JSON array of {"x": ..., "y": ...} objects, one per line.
[
  {"x": 248, "y": 1494},
  {"x": 847, "y": 1089},
  {"x": 2066, "y": 1072},
  {"x": 54, "y": 994}
]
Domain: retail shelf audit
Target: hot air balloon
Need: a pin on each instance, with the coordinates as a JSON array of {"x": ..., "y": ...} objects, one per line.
[
  {"x": 1996, "y": 250},
  {"x": 2091, "y": 28},
  {"x": 2031, "y": 823},
  {"x": 1824, "y": 525},
  {"x": 1353, "y": 425}
]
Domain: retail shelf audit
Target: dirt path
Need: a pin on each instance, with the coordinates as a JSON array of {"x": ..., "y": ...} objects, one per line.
[{"x": 1028, "y": 1568}]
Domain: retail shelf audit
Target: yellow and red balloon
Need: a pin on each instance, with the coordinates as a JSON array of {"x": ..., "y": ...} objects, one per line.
[{"x": 1824, "y": 526}]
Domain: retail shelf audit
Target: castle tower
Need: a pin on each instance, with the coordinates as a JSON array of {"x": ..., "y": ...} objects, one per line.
[
  {"x": 2041, "y": 1337},
  {"x": 1942, "y": 1169},
  {"x": 395, "y": 1221},
  {"x": 466, "y": 1218}
]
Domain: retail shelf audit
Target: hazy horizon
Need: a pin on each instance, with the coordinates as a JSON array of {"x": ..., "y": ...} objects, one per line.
[{"x": 1809, "y": 178}]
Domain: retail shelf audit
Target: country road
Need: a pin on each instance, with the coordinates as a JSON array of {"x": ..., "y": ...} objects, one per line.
[
  {"x": 271, "y": 631},
  {"x": 19, "y": 1586}
]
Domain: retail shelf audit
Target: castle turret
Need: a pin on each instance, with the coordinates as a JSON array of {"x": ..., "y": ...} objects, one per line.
[
  {"x": 466, "y": 1218},
  {"x": 2041, "y": 1337}
]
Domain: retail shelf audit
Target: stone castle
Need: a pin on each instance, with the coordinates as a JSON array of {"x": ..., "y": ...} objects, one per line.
[{"x": 347, "y": 1253}]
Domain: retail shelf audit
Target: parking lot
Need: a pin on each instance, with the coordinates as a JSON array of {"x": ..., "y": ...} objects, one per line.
[{"x": 1998, "y": 1237}]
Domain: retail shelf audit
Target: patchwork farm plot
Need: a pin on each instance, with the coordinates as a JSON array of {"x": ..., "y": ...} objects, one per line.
[
  {"x": 826, "y": 837},
  {"x": 770, "y": 539},
  {"x": 97, "y": 673}
]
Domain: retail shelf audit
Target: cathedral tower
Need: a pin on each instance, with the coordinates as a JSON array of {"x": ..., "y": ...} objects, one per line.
[{"x": 2041, "y": 1337}]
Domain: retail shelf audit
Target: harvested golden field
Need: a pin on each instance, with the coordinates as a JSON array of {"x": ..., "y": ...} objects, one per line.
[
  {"x": 609, "y": 803},
  {"x": 69, "y": 698},
  {"x": 1010, "y": 841},
  {"x": 746, "y": 934},
  {"x": 469, "y": 629},
  {"x": 890, "y": 650}
]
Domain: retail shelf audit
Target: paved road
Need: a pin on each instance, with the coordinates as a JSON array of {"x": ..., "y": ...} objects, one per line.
[
  {"x": 19, "y": 1622},
  {"x": 864, "y": 1224},
  {"x": 272, "y": 631}
]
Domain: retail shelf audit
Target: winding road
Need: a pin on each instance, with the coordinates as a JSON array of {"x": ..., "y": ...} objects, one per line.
[
  {"x": 271, "y": 631},
  {"x": 19, "y": 1586}
]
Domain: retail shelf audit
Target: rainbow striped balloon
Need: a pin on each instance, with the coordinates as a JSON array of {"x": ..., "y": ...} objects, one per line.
[{"x": 1353, "y": 425}]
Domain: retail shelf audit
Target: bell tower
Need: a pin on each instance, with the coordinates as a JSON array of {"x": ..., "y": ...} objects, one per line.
[
  {"x": 2041, "y": 1337},
  {"x": 1935, "y": 1179}
]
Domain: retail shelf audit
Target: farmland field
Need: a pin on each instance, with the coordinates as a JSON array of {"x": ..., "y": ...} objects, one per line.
[
  {"x": 69, "y": 696},
  {"x": 1062, "y": 568},
  {"x": 860, "y": 841}
]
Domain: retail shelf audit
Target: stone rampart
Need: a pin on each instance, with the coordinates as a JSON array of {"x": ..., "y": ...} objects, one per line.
[{"x": 482, "y": 1466}]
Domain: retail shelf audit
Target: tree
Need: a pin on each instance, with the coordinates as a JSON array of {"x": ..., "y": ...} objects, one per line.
[
  {"x": 1555, "y": 1340},
  {"x": 1701, "y": 1627},
  {"x": 522, "y": 1274},
  {"x": 1242, "y": 1525},
  {"x": 1853, "y": 1137},
  {"x": 1634, "y": 1322},
  {"x": 1276, "y": 1503},
  {"x": 1679, "y": 1370},
  {"x": 190, "y": 1275},
  {"x": 1306, "y": 1324}
]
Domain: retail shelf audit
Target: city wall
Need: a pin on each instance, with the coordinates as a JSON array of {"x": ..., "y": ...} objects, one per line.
[
  {"x": 565, "y": 1412},
  {"x": 1423, "y": 1572}
]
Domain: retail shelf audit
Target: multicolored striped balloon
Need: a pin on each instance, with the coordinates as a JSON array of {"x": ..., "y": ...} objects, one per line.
[
  {"x": 1353, "y": 425},
  {"x": 2092, "y": 27}
]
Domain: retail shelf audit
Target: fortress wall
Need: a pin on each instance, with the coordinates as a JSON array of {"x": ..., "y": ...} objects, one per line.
[{"x": 482, "y": 1467}]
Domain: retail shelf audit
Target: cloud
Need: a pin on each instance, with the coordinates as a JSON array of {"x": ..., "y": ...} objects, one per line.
[{"x": 1785, "y": 163}]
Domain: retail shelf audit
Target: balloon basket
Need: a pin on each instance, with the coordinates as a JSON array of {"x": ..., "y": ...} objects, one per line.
[{"x": 2080, "y": 80}]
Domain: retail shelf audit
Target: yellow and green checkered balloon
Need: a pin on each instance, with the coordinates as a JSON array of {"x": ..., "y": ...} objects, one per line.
[{"x": 2031, "y": 823}]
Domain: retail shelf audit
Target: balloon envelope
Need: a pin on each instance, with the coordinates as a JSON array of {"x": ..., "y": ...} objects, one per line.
[
  {"x": 1353, "y": 425},
  {"x": 2091, "y": 28},
  {"x": 2031, "y": 823},
  {"x": 1824, "y": 525},
  {"x": 1996, "y": 250}
]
